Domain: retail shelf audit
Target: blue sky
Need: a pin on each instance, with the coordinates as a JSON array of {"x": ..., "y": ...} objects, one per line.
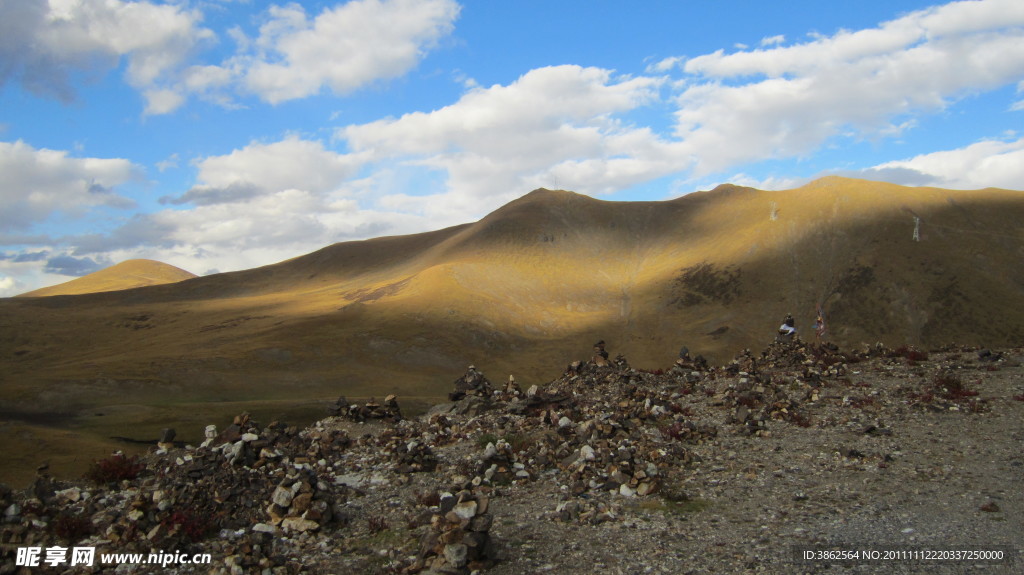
[{"x": 218, "y": 135}]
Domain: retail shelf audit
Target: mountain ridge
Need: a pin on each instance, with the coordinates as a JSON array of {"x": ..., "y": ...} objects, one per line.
[{"x": 530, "y": 286}]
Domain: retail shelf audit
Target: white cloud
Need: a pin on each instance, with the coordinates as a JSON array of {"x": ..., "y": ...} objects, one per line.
[
  {"x": 773, "y": 40},
  {"x": 268, "y": 168},
  {"x": 42, "y": 44},
  {"x": 787, "y": 101},
  {"x": 665, "y": 64},
  {"x": 36, "y": 183},
  {"x": 344, "y": 48},
  {"x": 258, "y": 204},
  {"x": 552, "y": 126},
  {"x": 45, "y": 47},
  {"x": 989, "y": 163}
]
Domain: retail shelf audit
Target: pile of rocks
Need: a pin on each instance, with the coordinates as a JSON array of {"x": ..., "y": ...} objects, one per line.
[
  {"x": 458, "y": 540},
  {"x": 594, "y": 449},
  {"x": 473, "y": 382},
  {"x": 301, "y": 502},
  {"x": 388, "y": 411}
]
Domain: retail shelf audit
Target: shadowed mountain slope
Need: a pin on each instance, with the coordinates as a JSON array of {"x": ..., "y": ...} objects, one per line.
[
  {"x": 125, "y": 275},
  {"x": 528, "y": 287}
]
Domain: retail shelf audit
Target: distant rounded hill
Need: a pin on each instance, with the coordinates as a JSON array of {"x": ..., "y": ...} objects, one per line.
[{"x": 125, "y": 275}]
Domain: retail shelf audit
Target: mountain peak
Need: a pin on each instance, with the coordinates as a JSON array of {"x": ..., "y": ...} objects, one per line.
[{"x": 125, "y": 275}]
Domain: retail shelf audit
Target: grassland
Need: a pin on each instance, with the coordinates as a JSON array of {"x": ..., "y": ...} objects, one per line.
[{"x": 523, "y": 291}]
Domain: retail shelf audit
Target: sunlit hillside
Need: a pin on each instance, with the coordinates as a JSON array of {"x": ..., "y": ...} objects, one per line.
[
  {"x": 125, "y": 275},
  {"x": 523, "y": 291}
]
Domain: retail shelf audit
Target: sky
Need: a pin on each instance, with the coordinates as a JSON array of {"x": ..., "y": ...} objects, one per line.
[{"x": 218, "y": 135}]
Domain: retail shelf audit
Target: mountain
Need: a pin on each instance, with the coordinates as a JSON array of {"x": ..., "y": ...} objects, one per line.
[
  {"x": 125, "y": 275},
  {"x": 530, "y": 286}
]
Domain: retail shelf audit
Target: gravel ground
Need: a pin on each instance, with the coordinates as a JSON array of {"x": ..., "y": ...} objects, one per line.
[{"x": 749, "y": 467}]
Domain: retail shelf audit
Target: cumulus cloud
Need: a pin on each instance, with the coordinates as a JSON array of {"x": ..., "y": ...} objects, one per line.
[
  {"x": 554, "y": 126},
  {"x": 343, "y": 48},
  {"x": 36, "y": 183},
  {"x": 277, "y": 199},
  {"x": 787, "y": 101},
  {"x": 989, "y": 163},
  {"x": 44, "y": 46},
  {"x": 262, "y": 169}
]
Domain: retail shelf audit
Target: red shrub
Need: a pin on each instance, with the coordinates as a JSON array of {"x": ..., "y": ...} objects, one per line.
[{"x": 117, "y": 467}]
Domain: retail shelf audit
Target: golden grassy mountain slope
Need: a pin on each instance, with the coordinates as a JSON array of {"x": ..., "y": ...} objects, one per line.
[
  {"x": 125, "y": 275},
  {"x": 525, "y": 290}
]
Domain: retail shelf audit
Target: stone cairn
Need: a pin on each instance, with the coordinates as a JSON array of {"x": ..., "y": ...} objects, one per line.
[
  {"x": 472, "y": 383},
  {"x": 458, "y": 540},
  {"x": 388, "y": 412}
]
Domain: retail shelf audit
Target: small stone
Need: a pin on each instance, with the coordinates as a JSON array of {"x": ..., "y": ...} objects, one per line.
[
  {"x": 283, "y": 496},
  {"x": 299, "y": 524},
  {"x": 466, "y": 509},
  {"x": 490, "y": 451},
  {"x": 990, "y": 507},
  {"x": 455, "y": 554},
  {"x": 301, "y": 502},
  {"x": 587, "y": 453},
  {"x": 481, "y": 523},
  {"x": 249, "y": 437},
  {"x": 264, "y": 528},
  {"x": 71, "y": 494}
]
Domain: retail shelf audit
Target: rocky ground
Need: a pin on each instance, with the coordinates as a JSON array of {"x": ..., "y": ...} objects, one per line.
[{"x": 607, "y": 469}]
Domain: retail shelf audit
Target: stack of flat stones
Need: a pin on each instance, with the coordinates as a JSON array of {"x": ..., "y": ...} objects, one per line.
[{"x": 458, "y": 540}]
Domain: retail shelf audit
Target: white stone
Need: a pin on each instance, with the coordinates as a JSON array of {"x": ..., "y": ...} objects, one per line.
[
  {"x": 490, "y": 451},
  {"x": 283, "y": 496},
  {"x": 587, "y": 453},
  {"x": 466, "y": 509},
  {"x": 264, "y": 528},
  {"x": 249, "y": 437},
  {"x": 70, "y": 494},
  {"x": 626, "y": 491}
]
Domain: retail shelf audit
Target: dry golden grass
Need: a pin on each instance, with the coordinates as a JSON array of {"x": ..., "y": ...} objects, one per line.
[
  {"x": 528, "y": 289},
  {"x": 125, "y": 275}
]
